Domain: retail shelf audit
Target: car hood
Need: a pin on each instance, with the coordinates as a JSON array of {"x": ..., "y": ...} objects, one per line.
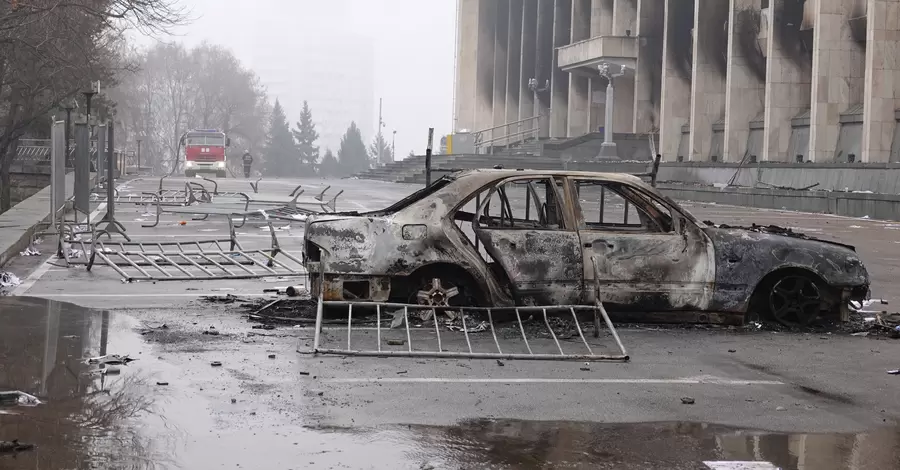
[{"x": 787, "y": 233}]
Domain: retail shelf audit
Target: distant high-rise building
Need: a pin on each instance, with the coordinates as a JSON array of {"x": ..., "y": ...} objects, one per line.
[{"x": 335, "y": 74}]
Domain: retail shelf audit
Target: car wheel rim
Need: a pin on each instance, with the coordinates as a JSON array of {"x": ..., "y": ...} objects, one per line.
[
  {"x": 436, "y": 294},
  {"x": 795, "y": 301}
]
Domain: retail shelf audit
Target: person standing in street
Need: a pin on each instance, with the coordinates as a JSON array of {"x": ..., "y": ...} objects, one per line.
[{"x": 248, "y": 160}]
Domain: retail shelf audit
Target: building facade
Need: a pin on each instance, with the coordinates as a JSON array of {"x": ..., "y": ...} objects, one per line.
[{"x": 711, "y": 80}]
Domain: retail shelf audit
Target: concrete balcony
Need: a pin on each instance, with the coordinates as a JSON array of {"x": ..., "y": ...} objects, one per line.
[{"x": 587, "y": 54}]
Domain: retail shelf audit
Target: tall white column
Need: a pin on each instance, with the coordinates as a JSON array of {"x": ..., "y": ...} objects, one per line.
[
  {"x": 559, "y": 83},
  {"x": 745, "y": 81},
  {"x": 882, "y": 92}
]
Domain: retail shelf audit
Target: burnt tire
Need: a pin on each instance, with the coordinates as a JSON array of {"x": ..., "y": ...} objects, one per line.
[{"x": 795, "y": 299}]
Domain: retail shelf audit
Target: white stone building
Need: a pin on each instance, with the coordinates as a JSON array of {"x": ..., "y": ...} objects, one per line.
[{"x": 717, "y": 80}]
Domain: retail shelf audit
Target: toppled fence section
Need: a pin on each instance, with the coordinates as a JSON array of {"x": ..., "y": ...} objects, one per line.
[{"x": 549, "y": 333}]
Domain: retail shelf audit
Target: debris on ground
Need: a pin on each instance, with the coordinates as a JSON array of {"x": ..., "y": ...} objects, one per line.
[
  {"x": 500, "y": 363},
  {"x": 111, "y": 359},
  {"x": 8, "y": 279},
  {"x": 30, "y": 251},
  {"x": 894, "y": 372},
  {"x": 304, "y": 373},
  {"x": 687, "y": 401},
  {"x": 396, "y": 342},
  {"x": 15, "y": 397},
  {"x": 211, "y": 331},
  {"x": 296, "y": 291},
  {"x": 271, "y": 356},
  {"x": 162, "y": 384},
  {"x": 216, "y": 363},
  {"x": 585, "y": 369},
  {"x": 222, "y": 299},
  {"x": 14, "y": 445}
]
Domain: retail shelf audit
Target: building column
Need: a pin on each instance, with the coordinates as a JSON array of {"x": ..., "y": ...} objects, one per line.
[
  {"x": 675, "y": 109},
  {"x": 466, "y": 64},
  {"x": 624, "y": 18},
  {"x": 650, "y": 26},
  {"x": 601, "y": 18},
  {"x": 546, "y": 63},
  {"x": 788, "y": 76},
  {"x": 528, "y": 63},
  {"x": 514, "y": 68},
  {"x": 559, "y": 84},
  {"x": 601, "y": 25},
  {"x": 745, "y": 80},
  {"x": 838, "y": 77},
  {"x": 579, "y": 85},
  {"x": 708, "y": 83},
  {"x": 501, "y": 55},
  {"x": 484, "y": 80},
  {"x": 882, "y": 92}
]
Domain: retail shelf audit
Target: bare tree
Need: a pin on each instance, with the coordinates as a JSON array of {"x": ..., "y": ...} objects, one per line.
[{"x": 52, "y": 49}]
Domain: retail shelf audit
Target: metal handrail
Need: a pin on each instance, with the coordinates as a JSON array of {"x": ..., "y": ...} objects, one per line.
[{"x": 479, "y": 135}]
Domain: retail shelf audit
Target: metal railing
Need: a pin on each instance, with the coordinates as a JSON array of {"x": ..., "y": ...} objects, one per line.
[{"x": 523, "y": 130}]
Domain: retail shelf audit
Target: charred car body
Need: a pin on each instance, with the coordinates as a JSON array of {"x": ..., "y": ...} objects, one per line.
[{"x": 505, "y": 237}]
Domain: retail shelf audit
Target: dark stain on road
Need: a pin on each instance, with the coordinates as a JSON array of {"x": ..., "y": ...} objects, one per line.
[{"x": 94, "y": 416}]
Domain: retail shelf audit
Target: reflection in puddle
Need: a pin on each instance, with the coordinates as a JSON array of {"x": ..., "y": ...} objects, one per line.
[
  {"x": 88, "y": 418},
  {"x": 95, "y": 416},
  {"x": 534, "y": 445}
]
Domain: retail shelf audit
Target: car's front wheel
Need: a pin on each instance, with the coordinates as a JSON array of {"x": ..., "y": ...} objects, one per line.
[{"x": 796, "y": 299}]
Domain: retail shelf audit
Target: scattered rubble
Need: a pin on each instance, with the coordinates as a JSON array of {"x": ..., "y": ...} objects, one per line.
[
  {"x": 15, "y": 397},
  {"x": 687, "y": 401},
  {"x": 8, "y": 279},
  {"x": 7, "y": 447},
  {"x": 111, "y": 359}
]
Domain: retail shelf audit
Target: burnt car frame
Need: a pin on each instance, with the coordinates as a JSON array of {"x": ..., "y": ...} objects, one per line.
[{"x": 503, "y": 238}]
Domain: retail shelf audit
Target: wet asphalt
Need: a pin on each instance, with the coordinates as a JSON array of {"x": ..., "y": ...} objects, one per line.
[{"x": 787, "y": 400}]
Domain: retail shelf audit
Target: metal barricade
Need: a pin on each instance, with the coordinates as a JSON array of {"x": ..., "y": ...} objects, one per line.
[
  {"x": 533, "y": 350},
  {"x": 199, "y": 260}
]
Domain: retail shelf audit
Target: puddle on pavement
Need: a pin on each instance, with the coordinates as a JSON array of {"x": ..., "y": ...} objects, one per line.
[{"x": 126, "y": 420}]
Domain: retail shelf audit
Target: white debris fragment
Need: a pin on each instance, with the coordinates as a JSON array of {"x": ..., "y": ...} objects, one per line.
[
  {"x": 30, "y": 251},
  {"x": 855, "y": 226},
  {"x": 300, "y": 217},
  {"x": 8, "y": 279},
  {"x": 22, "y": 398}
]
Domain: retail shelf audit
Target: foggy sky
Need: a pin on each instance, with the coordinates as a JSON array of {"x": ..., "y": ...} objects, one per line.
[{"x": 413, "y": 42}]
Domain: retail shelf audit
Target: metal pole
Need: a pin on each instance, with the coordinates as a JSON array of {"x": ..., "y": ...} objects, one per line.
[
  {"x": 608, "y": 148},
  {"x": 378, "y": 137},
  {"x": 69, "y": 162},
  {"x": 139, "y": 156},
  {"x": 428, "y": 157},
  {"x": 394, "y": 146}
]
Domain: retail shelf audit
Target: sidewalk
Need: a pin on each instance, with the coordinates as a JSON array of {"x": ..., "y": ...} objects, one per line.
[{"x": 18, "y": 224}]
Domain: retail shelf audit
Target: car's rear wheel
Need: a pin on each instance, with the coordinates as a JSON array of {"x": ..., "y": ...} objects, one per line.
[
  {"x": 796, "y": 299},
  {"x": 442, "y": 290}
]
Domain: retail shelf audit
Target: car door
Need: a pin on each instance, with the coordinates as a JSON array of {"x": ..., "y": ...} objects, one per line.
[
  {"x": 525, "y": 227},
  {"x": 645, "y": 254}
]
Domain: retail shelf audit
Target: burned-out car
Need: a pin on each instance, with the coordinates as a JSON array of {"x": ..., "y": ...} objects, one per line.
[{"x": 506, "y": 237}]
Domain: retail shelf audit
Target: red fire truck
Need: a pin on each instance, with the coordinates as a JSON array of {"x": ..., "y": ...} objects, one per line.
[{"x": 204, "y": 152}]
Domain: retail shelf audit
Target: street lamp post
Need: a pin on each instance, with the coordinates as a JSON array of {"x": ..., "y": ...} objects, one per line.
[
  {"x": 608, "y": 148},
  {"x": 394, "y": 146},
  {"x": 139, "y": 156},
  {"x": 535, "y": 90}
]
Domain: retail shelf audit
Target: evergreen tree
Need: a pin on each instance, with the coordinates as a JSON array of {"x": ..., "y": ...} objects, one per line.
[
  {"x": 280, "y": 153},
  {"x": 305, "y": 134},
  {"x": 387, "y": 154},
  {"x": 353, "y": 155},
  {"x": 330, "y": 165}
]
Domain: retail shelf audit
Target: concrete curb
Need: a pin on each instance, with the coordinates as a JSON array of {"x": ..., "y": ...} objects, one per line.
[{"x": 19, "y": 223}]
